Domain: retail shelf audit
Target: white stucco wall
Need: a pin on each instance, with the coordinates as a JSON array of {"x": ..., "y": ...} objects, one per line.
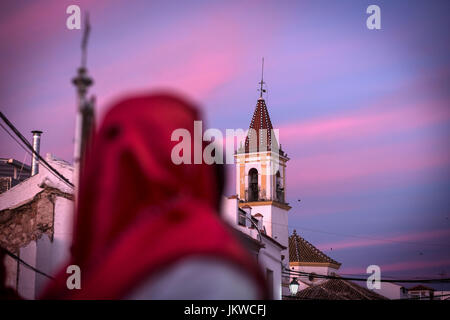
[
  {"x": 390, "y": 290},
  {"x": 269, "y": 257},
  {"x": 26, "y": 276},
  {"x": 275, "y": 220},
  {"x": 272, "y": 163},
  {"x": 52, "y": 254},
  {"x": 45, "y": 254}
]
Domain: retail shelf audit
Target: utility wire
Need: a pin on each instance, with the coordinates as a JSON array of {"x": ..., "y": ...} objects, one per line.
[
  {"x": 12, "y": 255},
  {"x": 29, "y": 147},
  {"x": 322, "y": 276},
  {"x": 301, "y": 273},
  {"x": 28, "y": 151},
  {"x": 356, "y": 236}
]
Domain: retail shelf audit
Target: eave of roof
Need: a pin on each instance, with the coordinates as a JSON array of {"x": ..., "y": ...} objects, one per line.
[{"x": 274, "y": 241}]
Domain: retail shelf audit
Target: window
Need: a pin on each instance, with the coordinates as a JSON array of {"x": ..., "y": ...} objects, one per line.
[
  {"x": 253, "y": 185},
  {"x": 279, "y": 188},
  {"x": 241, "y": 218}
]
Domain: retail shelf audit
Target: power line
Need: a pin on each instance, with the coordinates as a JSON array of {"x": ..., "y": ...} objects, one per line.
[
  {"x": 384, "y": 275},
  {"x": 31, "y": 154},
  {"x": 302, "y": 273},
  {"x": 12, "y": 255},
  {"x": 322, "y": 276},
  {"x": 29, "y": 147},
  {"x": 356, "y": 236}
]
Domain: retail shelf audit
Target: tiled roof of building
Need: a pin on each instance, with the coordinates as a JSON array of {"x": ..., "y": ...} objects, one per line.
[
  {"x": 261, "y": 120},
  {"x": 301, "y": 250},
  {"x": 338, "y": 289},
  {"x": 420, "y": 287}
]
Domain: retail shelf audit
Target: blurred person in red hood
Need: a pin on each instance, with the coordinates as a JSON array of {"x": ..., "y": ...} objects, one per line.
[{"x": 147, "y": 228}]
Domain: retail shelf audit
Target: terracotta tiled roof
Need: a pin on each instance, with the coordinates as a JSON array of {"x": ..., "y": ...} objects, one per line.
[
  {"x": 261, "y": 120},
  {"x": 338, "y": 289},
  {"x": 301, "y": 250},
  {"x": 420, "y": 287}
]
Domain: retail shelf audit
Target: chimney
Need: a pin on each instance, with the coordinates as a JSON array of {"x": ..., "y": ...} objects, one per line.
[
  {"x": 247, "y": 209},
  {"x": 260, "y": 218},
  {"x": 248, "y": 212},
  {"x": 36, "y": 147}
]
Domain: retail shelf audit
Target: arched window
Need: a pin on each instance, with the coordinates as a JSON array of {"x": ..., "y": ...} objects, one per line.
[
  {"x": 253, "y": 185},
  {"x": 279, "y": 188}
]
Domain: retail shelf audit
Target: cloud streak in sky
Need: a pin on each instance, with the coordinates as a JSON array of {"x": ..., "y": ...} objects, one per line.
[
  {"x": 416, "y": 238},
  {"x": 409, "y": 265}
]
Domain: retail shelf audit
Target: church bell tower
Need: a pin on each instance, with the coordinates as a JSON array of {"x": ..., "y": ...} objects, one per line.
[{"x": 261, "y": 174}]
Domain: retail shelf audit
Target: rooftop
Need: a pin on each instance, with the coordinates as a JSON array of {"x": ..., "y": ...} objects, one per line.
[
  {"x": 261, "y": 121},
  {"x": 338, "y": 289},
  {"x": 301, "y": 250}
]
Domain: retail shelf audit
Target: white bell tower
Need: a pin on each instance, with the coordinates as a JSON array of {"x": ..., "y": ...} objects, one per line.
[{"x": 261, "y": 175}]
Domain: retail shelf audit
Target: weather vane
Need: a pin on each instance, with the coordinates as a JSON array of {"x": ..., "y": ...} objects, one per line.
[
  {"x": 84, "y": 41},
  {"x": 261, "y": 89},
  {"x": 82, "y": 81}
]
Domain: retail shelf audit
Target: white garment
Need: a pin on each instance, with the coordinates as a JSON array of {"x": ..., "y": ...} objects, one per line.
[{"x": 197, "y": 279}]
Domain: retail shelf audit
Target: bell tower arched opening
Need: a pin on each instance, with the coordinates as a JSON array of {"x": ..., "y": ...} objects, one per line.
[{"x": 253, "y": 185}]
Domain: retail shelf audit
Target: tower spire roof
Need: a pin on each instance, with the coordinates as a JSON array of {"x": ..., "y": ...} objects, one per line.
[{"x": 262, "y": 126}]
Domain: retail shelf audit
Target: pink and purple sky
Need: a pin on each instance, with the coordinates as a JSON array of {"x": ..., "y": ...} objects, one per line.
[{"x": 363, "y": 114}]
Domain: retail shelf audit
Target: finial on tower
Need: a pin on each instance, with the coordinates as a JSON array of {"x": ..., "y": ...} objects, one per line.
[
  {"x": 82, "y": 81},
  {"x": 87, "y": 30},
  {"x": 261, "y": 83},
  {"x": 85, "y": 120}
]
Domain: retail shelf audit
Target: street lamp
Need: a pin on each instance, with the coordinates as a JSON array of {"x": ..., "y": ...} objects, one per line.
[{"x": 293, "y": 286}]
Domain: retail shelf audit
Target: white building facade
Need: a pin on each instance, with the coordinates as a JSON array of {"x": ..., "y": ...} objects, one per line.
[{"x": 37, "y": 219}]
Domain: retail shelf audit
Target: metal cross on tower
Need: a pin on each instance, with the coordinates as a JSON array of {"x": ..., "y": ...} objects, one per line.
[{"x": 261, "y": 83}]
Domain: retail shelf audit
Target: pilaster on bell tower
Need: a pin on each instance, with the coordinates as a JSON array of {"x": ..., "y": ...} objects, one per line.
[{"x": 261, "y": 172}]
